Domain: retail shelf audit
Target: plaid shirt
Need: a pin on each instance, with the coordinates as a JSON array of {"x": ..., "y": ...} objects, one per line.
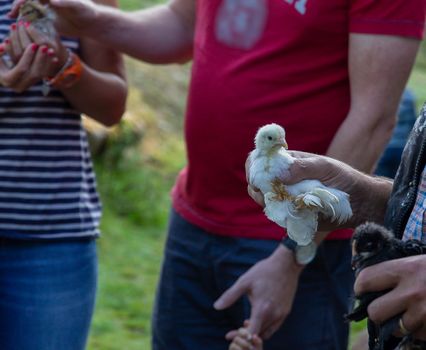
[{"x": 416, "y": 225}]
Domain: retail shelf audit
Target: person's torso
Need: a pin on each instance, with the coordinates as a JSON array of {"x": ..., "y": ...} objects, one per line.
[
  {"x": 47, "y": 184},
  {"x": 257, "y": 62}
]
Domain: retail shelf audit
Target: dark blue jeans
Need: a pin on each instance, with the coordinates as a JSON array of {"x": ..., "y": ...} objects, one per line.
[
  {"x": 198, "y": 267},
  {"x": 47, "y": 294}
]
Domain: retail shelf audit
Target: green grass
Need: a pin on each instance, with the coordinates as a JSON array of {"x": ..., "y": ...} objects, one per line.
[
  {"x": 131, "y": 5},
  {"x": 130, "y": 257},
  {"x": 135, "y": 176},
  {"x": 417, "y": 79}
]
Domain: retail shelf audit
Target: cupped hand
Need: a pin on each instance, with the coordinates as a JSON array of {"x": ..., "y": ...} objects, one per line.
[
  {"x": 406, "y": 280},
  {"x": 23, "y": 34},
  {"x": 34, "y": 65},
  {"x": 363, "y": 190}
]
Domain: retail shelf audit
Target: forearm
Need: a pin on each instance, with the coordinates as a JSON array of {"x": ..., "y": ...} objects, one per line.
[
  {"x": 100, "y": 95},
  {"x": 379, "y": 67},
  {"x": 362, "y": 138},
  {"x": 161, "y": 34}
]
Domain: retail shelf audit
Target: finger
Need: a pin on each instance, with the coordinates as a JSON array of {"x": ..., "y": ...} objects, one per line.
[
  {"x": 7, "y": 46},
  {"x": 256, "y": 195},
  {"x": 56, "y": 48},
  {"x": 14, "y": 12},
  {"x": 16, "y": 76},
  {"x": 230, "y": 296},
  {"x": 16, "y": 50},
  {"x": 231, "y": 335},
  {"x": 23, "y": 36},
  {"x": 378, "y": 277},
  {"x": 413, "y": 322},
  {"x": 42, "y": 65},
  {"x": 303, "y": 168},
  {"x": 234, "y": 346},
  {"x": 387, "y": 306},
  {"x": 68, "y": 5},
  {"x": 39, "y": 37},
  {"x": 243, "y": 332},
  {"x": 256, "y": 321},
  {"x": 257, "y": 342},
  {"x": 241, "y": 342}
]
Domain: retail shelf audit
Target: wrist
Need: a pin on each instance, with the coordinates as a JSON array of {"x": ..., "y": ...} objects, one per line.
[
  {"x": 69, "y": 73},
  {"x": 374, "y": 201},
  {"x": 283, "y": 256}
]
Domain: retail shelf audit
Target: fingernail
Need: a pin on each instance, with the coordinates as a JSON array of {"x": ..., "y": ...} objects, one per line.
[
  {"x": 55, "y": 59},
  {"x": 34, "y": 47},
  {"x": 1, "y": 48},
  {"x": 20, "y": 23},
  {"x": 7, "y": 41},
  {"x": 44, "y": 49},
  {"x": 50, "y": 52},
  {"x": 13, "y": 26},
  {"x": 27, "y": 24}
]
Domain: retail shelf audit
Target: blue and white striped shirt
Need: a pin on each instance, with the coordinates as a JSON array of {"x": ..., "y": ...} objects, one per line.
[{"x": 47, "y": 183}]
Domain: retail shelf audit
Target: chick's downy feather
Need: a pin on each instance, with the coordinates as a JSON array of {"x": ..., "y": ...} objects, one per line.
[
  {"x": 373, "y": 244},
  {"x": 295, "y": 207}
]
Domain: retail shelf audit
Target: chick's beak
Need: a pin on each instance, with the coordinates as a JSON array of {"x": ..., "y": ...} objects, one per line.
[
  {"x": 355, "y": 261},
  {"x": 284, "y": 143}
]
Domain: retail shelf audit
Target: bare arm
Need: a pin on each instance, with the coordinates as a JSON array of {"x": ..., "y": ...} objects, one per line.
[
  {"x": 102, "y": 90},
  {"x": 379, "y": 66},
  {"x": 161, "y": 34}
]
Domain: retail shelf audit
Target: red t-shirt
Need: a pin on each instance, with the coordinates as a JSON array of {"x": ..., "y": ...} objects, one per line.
[{"x": 264, "y": 61}]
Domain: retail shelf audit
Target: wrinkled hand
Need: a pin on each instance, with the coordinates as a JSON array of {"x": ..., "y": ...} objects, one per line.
[
  {"x": 270, "y": 285},
  {"x": 330, "y": 172},
  {"x": 74, "y": 17},
  {"x": 406, "y": 279}
]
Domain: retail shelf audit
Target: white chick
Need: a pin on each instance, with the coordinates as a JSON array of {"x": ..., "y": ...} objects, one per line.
[{"x": 294, "y": 207}]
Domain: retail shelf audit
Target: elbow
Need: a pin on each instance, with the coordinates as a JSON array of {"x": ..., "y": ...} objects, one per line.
[
  {"x": 114, "y": 111},
  {"x": 113, "y": 116},
  {"x": 386, "y": 124}
]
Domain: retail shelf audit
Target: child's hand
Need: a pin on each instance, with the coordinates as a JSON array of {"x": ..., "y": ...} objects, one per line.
[{"x": 243, "y": 340}]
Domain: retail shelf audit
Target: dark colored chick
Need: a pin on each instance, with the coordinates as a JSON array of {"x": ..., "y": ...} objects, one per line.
[{"x": 372, "y": 244}]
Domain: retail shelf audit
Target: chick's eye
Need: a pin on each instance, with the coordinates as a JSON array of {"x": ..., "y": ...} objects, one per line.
[{"x": 270, "y": 138}]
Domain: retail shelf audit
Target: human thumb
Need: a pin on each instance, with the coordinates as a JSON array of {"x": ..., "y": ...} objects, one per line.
[{"x": 255, "y": 322}]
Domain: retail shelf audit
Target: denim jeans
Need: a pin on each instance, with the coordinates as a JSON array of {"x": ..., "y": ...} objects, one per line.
[
  {"x": 198, "y": 267},
  {"x": 47, "y": 294}
]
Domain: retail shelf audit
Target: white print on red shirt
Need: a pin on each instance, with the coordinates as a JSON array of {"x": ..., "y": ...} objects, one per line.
[
  {"x": 240, "y": 23},
  {"x": 299, "y": 5}
]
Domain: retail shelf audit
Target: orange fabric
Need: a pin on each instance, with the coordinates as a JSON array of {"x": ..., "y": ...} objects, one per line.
[{"x": 70, "y": 75}]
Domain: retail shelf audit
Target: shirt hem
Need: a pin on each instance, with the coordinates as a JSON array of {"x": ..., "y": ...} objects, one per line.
[
  {"x": 195, "y": 218},
  {"x": 48, "y": 237}
]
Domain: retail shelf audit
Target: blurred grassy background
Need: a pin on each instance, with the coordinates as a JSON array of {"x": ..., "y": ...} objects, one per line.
[{"x": 135, "y": 173}]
